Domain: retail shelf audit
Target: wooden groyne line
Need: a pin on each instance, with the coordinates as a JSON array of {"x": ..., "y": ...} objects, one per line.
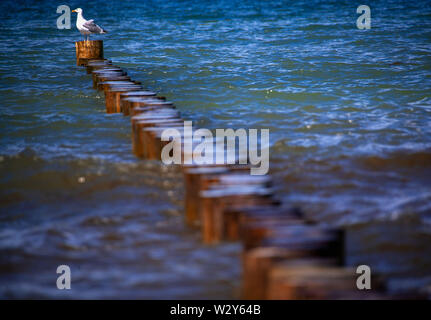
[{"x": 284, "y": 256}]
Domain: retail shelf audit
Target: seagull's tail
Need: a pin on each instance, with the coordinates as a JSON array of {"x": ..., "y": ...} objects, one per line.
[{"x": 104, "y": 31}]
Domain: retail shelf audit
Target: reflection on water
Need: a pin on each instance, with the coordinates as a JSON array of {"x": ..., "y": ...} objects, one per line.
[{"x": 348, "y": 111}]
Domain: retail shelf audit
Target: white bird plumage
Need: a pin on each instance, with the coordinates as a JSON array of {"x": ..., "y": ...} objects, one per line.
[{"x": 87, "y": 27}]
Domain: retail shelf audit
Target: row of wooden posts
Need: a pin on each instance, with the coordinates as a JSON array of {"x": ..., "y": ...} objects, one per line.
[{"x": 284, "y": 255}]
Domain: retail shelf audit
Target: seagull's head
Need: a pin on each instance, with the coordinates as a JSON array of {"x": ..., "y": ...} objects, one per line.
[{"x": 77, "y": 10}]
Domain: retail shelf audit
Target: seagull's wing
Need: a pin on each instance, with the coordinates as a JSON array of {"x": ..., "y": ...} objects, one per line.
[{"x": 92, "y": 27}]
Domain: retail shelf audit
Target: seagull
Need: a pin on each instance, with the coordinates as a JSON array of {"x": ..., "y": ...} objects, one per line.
[{"x": 87, "y": 27}]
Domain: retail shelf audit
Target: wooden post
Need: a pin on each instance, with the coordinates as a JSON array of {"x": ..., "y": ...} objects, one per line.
[
  {"x": 317, "y": 240},
  {"x": 257, "y": 264},
  {"x": 220, "y": 197},
  {"x": 160, "y": 118},
  {"x": 103, "y": 75},
  {"x": 192, "y": 183},
  {"x": 107, "y": 85},
  {"x": 272, "y": 214},
  {"x": 143, "y": 109},
  {"x": 152, "y": 140},
  {"x": 138, "y": 123},
  {"x": 87, "y": 50},
  {"x": 154, "y": 103},
  {"x": 125, "y": 104},
  {"x": 148, "y": 142},
  {"x": 96, "y": 64},
  {"x": 199, "y": 178},
  {"x": 305, "y": 279},
  {"x": 105, "y": 71},
  {"x": 112, "y": 95}
]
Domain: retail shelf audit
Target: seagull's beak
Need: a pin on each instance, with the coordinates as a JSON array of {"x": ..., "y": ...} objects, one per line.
[{"x": 73, "y": 10}]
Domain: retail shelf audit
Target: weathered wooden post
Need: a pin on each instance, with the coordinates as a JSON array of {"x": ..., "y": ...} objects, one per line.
[
  {"x": 256, "y": 265},
  {"x": 220, "y": 197},
  {"x": 311, "y": 279},
  {"x": 112, "y": 94},
  {"x": 142, "y": 109},
  {"x": 104, "y": 75},
  {"x": 192, "y": 183},
  {"x": 141, "y": 121},
  {"x": 125, "y": 104},
  {"x": 290, "y": 241},
  {"x": 272, "y": 214},
  {"x": 152, "y": 103},
  {"x": 88, "y": 50},
  {"x": 147, "y": 142},
  {"x": 152, "y": 140},
  {"x": 97, "y": 64}
]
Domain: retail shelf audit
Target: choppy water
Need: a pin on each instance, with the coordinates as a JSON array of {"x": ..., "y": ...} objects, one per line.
[{"x": 349, "y": 114}]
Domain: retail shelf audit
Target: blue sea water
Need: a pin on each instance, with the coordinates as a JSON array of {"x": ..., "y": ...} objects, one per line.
[{"x": 349, "y": 113}]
